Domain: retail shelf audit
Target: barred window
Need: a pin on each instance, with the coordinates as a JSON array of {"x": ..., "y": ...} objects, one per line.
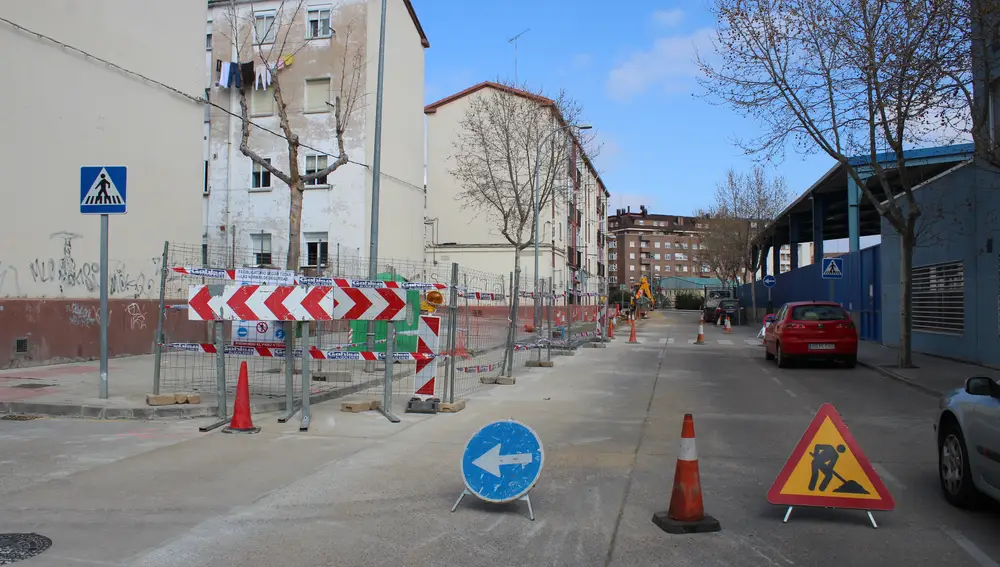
[{"x": 939, "y": 298}]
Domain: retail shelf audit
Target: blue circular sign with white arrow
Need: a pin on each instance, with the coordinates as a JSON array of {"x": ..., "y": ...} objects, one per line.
[
  {"x": 769, "y": 281},
  {"x": 502, "y": 461}
]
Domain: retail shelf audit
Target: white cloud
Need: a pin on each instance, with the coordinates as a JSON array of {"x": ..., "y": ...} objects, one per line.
[
  {"x": 668, "y": 18},
  {"x": 669, "y": 64},
  {"x": 610, "y": 151}
]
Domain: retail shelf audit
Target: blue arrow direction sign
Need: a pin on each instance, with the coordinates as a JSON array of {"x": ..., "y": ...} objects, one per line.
[
  {"x": 502, "y": 461},
  {"x": 770, "y": 281}
]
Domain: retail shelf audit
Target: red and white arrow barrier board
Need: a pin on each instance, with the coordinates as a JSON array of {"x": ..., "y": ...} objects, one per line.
[
  {"x": 369, "y": 304},
  {"x": 428, "y": 342},
  {"x": 295, "y": 303}
]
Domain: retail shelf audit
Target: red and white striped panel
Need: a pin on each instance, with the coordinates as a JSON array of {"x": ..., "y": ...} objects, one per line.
[{"x": 428, "y": 342}]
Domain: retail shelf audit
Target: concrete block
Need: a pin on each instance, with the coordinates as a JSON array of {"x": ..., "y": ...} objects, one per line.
[
  {"x": 92, "y": 412},
  {"x": 180, "y": 398},
  {"x": 342, "y": 376},
  {"x": 595, "y": 345},
  {"x": 539, "y": 364},
  {"x": 566, "y": 352},
  {"x": 161, "y": 399},
  {"x": 375, "y": 404},
  {"x": 488, "y": 379},
  {"x": 447, "y": 407},
  {"x": 355, "y": 407},
  {"x": 505, "y": 381},
  {"x": 118, "y": 413},
  {"x": 193, "y": 398},
  {"x": 430, "y": 405}
]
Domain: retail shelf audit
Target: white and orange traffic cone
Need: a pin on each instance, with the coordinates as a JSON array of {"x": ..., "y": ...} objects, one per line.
[
  {"x": 701, "y": 333},
  {"x": 631, "y": 337},
  {"x": 729, "y": 326},
  {"x": 686, "y": 514},
  {"x": 718, "y": 320},
  {"x": 611, "y": 328}
]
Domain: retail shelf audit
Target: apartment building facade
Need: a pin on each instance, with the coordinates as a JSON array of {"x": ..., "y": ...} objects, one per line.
[
  {"x": 655, "y": 246},
  {"x": 571, "y": 225},
  {"x": 79, "y": 111},
  {"x": 315, "y": 52}
]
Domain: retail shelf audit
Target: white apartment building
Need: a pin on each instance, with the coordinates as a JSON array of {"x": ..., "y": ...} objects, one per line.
[
  {"x": 316, "y": 53},
  {"x": 65, "y": 108},
  {"x": 571, "y": 226}
]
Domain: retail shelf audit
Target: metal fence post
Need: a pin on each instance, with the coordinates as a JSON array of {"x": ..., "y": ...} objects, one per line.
[
  {"x": 390, "y": 358},
  {"x": 306, "y": 376},
  {"x": 452, "y": 326},
  {"x": 552, "y": 307},
  {"x": 158, "y": 342},
  {"x": 290, "y": 409},
  {"x": 516, "y": 292},
  {"x": 220, "y": 378}
]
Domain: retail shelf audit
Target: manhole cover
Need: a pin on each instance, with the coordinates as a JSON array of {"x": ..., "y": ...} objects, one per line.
[
  {"x": 16, "y": 547},
  {"x": 13, "y": 417},
  {"x": 31, "y": 385}
]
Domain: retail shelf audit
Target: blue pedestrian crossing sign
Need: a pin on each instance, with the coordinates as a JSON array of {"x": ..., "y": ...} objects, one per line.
[
  {"x": 502, "y": 461},
  {"x": 103, "y": 190},
  {"x": 769, "y": 281},
  {"x": 833, "y": 268}
]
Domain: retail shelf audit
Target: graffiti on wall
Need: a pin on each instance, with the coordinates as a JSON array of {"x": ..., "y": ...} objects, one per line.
[
  {"x": 137, "y": 318},
  {"x": 68, "y": 273},
  {"x": 83, "y": 315}
]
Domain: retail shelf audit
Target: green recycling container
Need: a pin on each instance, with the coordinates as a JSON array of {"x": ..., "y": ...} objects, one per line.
[{"x": 404, "y": 343}]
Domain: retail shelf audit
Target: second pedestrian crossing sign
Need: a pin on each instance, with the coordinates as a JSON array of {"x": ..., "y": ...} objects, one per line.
[{"x": 828, "y": 469}]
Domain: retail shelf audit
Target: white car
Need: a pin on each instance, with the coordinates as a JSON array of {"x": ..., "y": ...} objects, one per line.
[{"x": 968, "y": 437}]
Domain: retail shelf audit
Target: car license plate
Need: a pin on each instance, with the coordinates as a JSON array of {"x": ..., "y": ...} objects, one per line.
[{"x": 821, "y": 347}]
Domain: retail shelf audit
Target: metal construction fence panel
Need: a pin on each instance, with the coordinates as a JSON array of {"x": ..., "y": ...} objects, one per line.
[{"x": 485, "y": 330}]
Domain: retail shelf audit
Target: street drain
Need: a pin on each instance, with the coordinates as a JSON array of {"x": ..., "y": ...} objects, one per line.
[
  {"x": 17, "y": 547},
  {"x": 19, "y": 417},
  {"x": 31, "y": 385}
]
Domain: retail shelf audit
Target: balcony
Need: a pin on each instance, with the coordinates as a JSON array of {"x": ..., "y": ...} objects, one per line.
[
  {"x": 600, "y": 270},
  {"x": 644, "y": 244}
]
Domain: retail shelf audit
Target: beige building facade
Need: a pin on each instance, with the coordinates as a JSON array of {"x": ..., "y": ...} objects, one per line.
[
  {"x": 571, "y": 225},
  {"x": 316, "y": 53}
]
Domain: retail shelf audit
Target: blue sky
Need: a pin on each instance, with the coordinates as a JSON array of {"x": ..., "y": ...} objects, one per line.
[{"x": 631, "y": 66}]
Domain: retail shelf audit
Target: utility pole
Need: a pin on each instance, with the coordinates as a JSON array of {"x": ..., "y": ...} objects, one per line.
[{"x": 514, "y": 41}]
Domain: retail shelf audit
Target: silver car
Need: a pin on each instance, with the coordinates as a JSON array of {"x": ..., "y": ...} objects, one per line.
[{"x": 968, "y": 435}]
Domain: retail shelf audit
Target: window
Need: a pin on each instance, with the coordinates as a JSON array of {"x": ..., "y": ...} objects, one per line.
[
  {"x": 631, "y": 243},
  {"x": 262, "y": 102},
  {"x": 656, "y": 256},
  {"x": 631, "y": 255},
  {"x": 317, "y": 249},
  {"x": 685, "y": 268},
  {"x": 939, "y": 298},
  {"x": 317, "y": 95},
  {"x": 666, "y": 245},
  {"x": 560, "y": 232},
  {"x": 261, "y": 248},
  {"x": 314, "y": 164},
  {"x": 208, "y": 107},
  {"x": 656, "y": 245},
  {"x": 261, "y": 177},
  {"x": 208, "y": 41},
  {"x": 205, "y": 190},
  {"x": 656, "y": 268},
  {"x": 318, "y": 22},
  {"x": 265, "y": 28},
  {"x": 631, "y": 267},
  {"x": 204, "y": 250},
  {"x": 666, "y": 268},
  {"x": 818, "y": 313}
]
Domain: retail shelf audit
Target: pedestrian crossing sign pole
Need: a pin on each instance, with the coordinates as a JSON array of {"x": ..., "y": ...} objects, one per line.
[
  {"x": 103, "y": 191},
  {"x": 833, "y": 269}
]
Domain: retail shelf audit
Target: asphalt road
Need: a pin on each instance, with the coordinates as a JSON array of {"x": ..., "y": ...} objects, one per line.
[{"x": 356, "y": 490}]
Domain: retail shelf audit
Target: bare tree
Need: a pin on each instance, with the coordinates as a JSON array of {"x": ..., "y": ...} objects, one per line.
[
  {"x": 495, "y": 156},
  {"x": 744, "y": 204},
  {"x": 272, "y": 40},
  {"x": 972, "y": 72},
  {"x": 851, "y": 78}
]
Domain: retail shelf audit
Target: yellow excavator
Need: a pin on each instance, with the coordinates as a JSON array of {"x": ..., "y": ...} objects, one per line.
[{"x": 642, "y": 298}]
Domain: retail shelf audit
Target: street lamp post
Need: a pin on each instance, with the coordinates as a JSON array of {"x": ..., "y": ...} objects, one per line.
[{"x": 536, "y": 193}]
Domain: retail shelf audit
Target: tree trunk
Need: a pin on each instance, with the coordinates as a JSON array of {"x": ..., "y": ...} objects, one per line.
[
  {"x": 906, "y": 244},
  {"x": 295, "y": 228}
]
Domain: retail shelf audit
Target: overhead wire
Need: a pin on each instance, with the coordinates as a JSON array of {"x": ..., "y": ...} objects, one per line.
[{"x": 178, "y": 92}]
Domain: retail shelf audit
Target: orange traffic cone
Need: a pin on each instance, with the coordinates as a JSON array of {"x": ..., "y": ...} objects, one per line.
[
  {"x": 631, "y": 337},
  {"x": 242, "y": 422},
  {"x": 701, "y": 333},
  {"x": 460, "y": 349},
  {"x": 611, "y": 328},
  {"x": 687, "y": 511},
  {"x": 729, "y": 326}
]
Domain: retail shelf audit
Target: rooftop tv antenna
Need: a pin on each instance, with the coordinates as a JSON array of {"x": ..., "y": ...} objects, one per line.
[{"x": 514, "y": 41}]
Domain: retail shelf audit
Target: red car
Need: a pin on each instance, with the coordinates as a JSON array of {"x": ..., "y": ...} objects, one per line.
[{"x": 811, "y": 329}]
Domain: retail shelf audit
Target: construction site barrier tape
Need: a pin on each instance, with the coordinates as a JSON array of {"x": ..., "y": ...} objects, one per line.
[{"x": 316, "y": 353}]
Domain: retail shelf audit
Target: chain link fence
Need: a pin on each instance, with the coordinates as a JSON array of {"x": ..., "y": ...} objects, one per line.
[{"x": 486, "y": 331}]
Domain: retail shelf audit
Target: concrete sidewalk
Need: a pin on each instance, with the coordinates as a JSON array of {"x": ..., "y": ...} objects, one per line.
[{"x": 932, "y": 375}]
